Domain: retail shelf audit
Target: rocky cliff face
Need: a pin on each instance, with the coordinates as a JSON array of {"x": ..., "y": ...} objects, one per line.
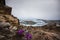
[
  {"x": 8, "y": 23},
  {"x": 6, "y": 16}
]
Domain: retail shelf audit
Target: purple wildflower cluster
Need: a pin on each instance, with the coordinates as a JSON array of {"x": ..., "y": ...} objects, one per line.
[
  {"x": 27, "y": 35},
  {"x": 20, "y": 32}
]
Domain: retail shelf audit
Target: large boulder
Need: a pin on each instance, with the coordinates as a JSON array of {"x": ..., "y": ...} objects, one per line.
[{"x": 9, "y": 18}]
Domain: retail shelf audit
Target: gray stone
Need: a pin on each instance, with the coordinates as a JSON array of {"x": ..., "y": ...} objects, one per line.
[
  {"x": 4, "y": 24},
  {"x": 1, "y": 36}
]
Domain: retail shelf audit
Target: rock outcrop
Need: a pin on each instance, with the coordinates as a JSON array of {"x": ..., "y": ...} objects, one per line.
[
  {"x": 6, "y": 16},
  {"x": 8, "y": 23}
]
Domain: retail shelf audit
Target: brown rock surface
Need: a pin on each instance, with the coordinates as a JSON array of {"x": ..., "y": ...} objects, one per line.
[
  {"x": 9, "y": 18},
  {"x": 6, "y": 16},
  {"x": 8, "y": 23},
  {"x": 41, "y": 33}
]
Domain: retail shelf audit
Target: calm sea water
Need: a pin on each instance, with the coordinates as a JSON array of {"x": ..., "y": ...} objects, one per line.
[{"x": 33, "y": 22}]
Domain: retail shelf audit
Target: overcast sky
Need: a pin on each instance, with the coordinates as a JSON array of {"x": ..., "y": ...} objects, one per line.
[{"x": 41, "y": 9}]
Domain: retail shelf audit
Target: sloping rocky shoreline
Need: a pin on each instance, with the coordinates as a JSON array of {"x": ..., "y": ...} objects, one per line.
[{"x": 8, "y": 32}]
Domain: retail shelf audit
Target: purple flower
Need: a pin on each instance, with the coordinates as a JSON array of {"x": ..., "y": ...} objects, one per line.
[
  {"x": 28, "y": 36},
  {"x": 20, "y": 32}
]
